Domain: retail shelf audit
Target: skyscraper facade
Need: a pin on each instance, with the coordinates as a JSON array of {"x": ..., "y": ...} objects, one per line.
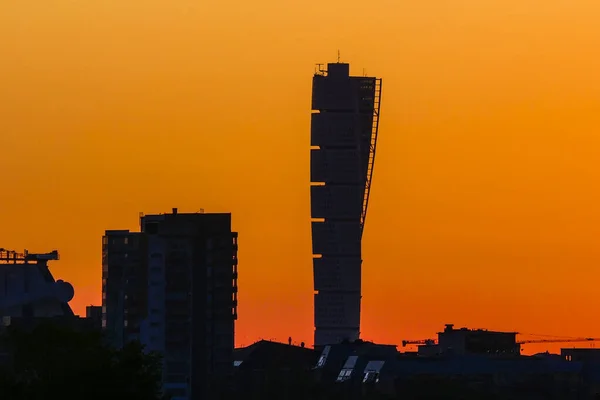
[{"x": 344, "y": 127}]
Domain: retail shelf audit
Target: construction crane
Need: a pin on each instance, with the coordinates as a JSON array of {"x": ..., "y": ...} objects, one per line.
[
  {"x": 565, "y": 340},
  {"x": 427, "y": 342},
  {"x": 431, "y": 342},
  {"x": 14, "y": 257}
]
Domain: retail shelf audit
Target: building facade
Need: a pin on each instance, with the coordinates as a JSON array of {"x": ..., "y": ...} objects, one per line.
[
  {"x": 344, "y": 126},
  {"x": 94, "y": 315},
  {"x": 124, "y": 285},
  {"x": 189, "y": 265},
  {"x": 28, "y": 288},
  {"x": 464, "y": 341}
]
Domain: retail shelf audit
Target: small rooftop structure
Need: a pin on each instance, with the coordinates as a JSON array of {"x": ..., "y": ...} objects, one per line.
[
  {"x": 581, "y": 354},
  {"x": 464, "y": 341}
]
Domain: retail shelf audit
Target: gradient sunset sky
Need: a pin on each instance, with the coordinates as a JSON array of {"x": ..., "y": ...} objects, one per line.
[{"x": 485, "y": 210}]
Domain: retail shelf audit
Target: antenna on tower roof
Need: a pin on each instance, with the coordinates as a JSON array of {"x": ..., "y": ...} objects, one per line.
[{"x": 338, "y": 56}]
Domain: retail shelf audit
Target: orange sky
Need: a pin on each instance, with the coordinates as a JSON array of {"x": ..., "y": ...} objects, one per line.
[{"x": 485, "y": 208}]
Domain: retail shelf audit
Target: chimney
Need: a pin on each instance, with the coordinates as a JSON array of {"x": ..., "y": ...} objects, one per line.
[{"x": 174, "y": 211}]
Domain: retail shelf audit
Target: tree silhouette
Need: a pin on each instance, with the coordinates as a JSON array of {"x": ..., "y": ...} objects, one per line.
[{"x": 58, "y": 362}]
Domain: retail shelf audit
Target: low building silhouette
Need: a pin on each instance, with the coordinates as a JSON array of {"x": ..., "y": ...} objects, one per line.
[
  {"x": 268, "y": 369},
  {"x": 94, "y": 315}
]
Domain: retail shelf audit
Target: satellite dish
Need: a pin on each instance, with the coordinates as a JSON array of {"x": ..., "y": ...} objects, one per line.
[{"x": 64, "y": 291}]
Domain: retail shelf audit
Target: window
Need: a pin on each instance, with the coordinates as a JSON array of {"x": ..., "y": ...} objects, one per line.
[
  {"x": 321, "y": 362},
  {"x": 126, "y": 240}
]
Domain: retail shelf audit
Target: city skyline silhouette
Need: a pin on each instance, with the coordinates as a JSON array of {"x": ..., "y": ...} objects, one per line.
[{"x": 484, "y": 208}]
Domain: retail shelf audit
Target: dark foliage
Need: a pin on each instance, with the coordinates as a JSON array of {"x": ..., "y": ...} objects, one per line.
[{"x": 53, "y": 362}]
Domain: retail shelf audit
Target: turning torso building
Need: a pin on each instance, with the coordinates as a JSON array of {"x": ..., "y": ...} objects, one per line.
[{"x": 344, "y": 125}]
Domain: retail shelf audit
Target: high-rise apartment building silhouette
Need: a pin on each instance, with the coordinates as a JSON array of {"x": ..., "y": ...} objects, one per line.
[
  {"x": 173, "y": 286},
  {"x": 344, "y": 126}
]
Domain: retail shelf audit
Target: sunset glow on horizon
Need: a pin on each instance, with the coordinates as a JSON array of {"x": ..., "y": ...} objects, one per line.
[{"x": 485, "y": 206}]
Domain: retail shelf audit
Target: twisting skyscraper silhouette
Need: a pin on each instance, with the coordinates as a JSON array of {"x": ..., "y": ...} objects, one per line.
[{"x": 344, "y": 126}]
